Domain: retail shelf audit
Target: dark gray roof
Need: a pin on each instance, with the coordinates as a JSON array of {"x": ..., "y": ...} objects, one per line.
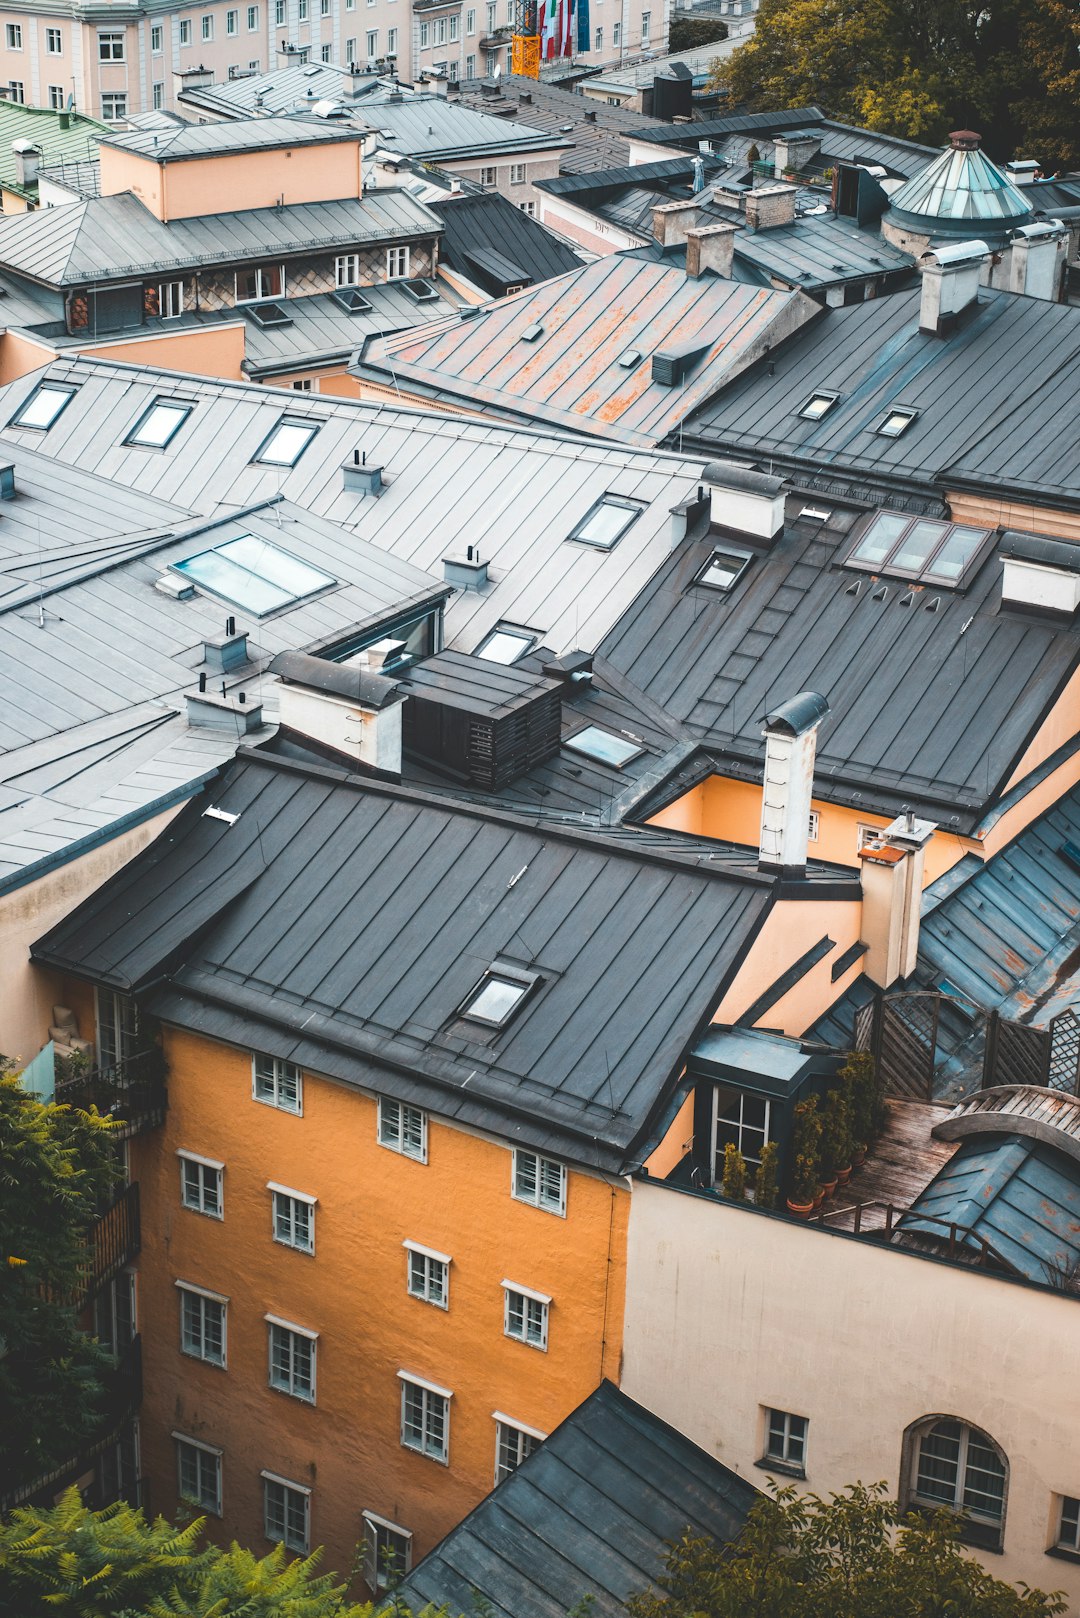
[
  {"x": 272, "y": 932},
  {"x": 592, "y": 1511},
  {"x": 338, "y": 679},
  {"x": 734, "y": 134},
  {"x": 997, "y": 403},
  {"x": 928, "y": 708},
  {"x": 597, "y": 133},
  {"x": 104, "y": 238},
  {"x": 753, "y": 123},
  {"x": 221, "y": 139},
  {"x": 475, "y": 684},
  {"x": 477, "y": 226}
]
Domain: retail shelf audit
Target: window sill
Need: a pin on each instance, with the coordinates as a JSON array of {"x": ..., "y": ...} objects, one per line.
[
  {"x": 204, "y": 1212},
  {"x": 1063, "y": 1553},
  {"x": 414, "y": 1449},
  {"x": 308, "y": 1252},
  {"x": 785, "y": 1468}
]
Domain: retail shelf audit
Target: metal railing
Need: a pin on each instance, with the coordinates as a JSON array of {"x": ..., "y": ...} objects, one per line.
[
  {"x": 132, "y": 1092},
  {"x": 957, "y": 1237}
]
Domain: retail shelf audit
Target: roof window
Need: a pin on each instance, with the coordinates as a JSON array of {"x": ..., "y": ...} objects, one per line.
[
  {"x": 724, "y": 569},
  {"x": 505, "y": 644},
  {"x": 896, "y": 423},
  {"x": 497, "y": 996},
  {"x": 420, "y": 291},
  {"x": 159, "y": 425},
  {"x": 286, "y": 443},
  {"x": 253, "y": 574},
  {"x": 607, "y": 521},
  {"x": 819, "y": 404},
  {"x": 920, "y": 548},
  {"x": 604, "y": 746},
  {"x": 352, "y": 300},
  {"x": 43, "y": 406}
]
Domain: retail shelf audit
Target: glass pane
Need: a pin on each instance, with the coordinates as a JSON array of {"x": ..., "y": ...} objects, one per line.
[
  {"x": 551, "y": 1183},
  {"x": 286, "y": 444},
  {"x": 956, "y": 553},
  {"x": 603, "y": 745},
  {"x": 723, "y": 570},
  {"x": 525, "y": 1176},
  {"x": 43, "y": 407},
  {"x": 939, "y": 1454},
  {"x": 215, "y": 572},
  {"x": 884, "y": 530},
  {"x": 918, "y": 546},
  {"x": 817, "y": 405},
  {"x": 159, "y": 424},
  {"x": 504, "y": 646},
  {"x": 495, "y": 999},
  {"x": 275, "y": 566},
  {"x": 607, "y": 523}
]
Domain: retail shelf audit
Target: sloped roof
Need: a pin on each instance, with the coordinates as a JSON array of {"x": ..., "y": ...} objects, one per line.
[
  {"x": 221, "y": 139},
  {"x": 592, "y": 1511},
  {"x": 45, "y": 128},
  {"x": 961, "y": 192},
  {"x": 489, "y": 223},
  {"x": 598, "y": 133}
]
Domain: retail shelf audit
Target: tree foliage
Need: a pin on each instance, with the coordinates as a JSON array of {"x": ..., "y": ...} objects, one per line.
[
  {"x": 920, "y": 68},
  {"x": 690, "y": 33},
  {"x": 851, "y": 1556},
  {"x": 56, "y": 1168}
]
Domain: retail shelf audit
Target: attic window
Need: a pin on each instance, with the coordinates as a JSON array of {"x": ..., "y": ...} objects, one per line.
[
  {"x": 352, "y": 300},
  {"x": 896, "y": 423},
  {"x": 819, "y": 404},
  {"x": 286, "y": 443},
  {"x": 420, "y": 291},
  {"x": 505, "y": 644},
  {"x": 604, "y": 746},
  {"x": 43, "y": 406},
  {"x": 253, "y": 574},
  {"x": 607, "y": 521},
  {"x": 158, "y": 426},
  {"x": 497, "y": 996},
  {"x": 920, "y": 548},
  {"x": 724, "y": 569}
]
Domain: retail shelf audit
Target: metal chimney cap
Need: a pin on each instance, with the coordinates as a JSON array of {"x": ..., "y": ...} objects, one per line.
[{"x": 798, "y": 715}]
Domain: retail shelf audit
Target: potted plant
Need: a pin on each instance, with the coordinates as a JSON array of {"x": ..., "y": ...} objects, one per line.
[
  {"x": 805, "y": 1175},
  {"x": 765, "y": 1180},
  {"x": 836, "y": 1137},
  {"x": 858, "y": 1073},
  {"x": 733, "y": 1183}
]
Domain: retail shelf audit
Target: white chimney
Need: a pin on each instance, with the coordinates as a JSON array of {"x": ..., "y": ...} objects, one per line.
[
  {"x": 892, "y": 884},
  {"x": 341, "y": 706},
  {"x": 749, "y": 502},
  {"x": 27, "y": 161},
  {"x": 790, "y": 744},
  {"x": 1040, "y": 573},
  {"x": 951, "y": 277},
  {"x": 1037, "y": 258}
]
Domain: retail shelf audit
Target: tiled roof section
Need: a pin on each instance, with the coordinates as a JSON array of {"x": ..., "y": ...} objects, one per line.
[
  {"x": 590, "y": 365},
  {"x": 105, "y": 238},
  {"x": 997, "y": 403},
  {"x": 929, "y": 708},
  {"x": 477, "y": 226},
  {"x": 591, "y": 1512},
  {"x": 78, "y": 141},
  {"x": 598, "y": 133},
  {"x": 225, "y": 139},
  {"x": 270, "y": 932}
]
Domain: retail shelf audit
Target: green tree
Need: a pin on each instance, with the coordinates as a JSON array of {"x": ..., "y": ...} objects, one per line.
[
  {"x": 854, "y": 1555},
  {"x": 56, "y": 1168},
  {"x": 690, "y": 33}
]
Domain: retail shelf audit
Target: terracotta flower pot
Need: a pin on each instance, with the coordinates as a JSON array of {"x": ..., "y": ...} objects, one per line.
[
  {"x": 858, "y": 1157},
  {"x": 829, "y": 1186},
  {"x": 800, "y": 1210},
  {"x": 819, "y": 1196},
  {"x": 843, "y": 1175}
]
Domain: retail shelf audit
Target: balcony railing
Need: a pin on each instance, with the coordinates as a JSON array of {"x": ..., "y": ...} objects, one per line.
[
  {"x": 114, "y": 1241},
  {"x": 133, "y": 1091}
]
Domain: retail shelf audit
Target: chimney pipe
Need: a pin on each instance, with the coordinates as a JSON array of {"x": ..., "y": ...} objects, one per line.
[
  {"x": 951, "y": 277},
  {"x": 710, "y": 248},
  {"x": 892, "y": 884},
  {"x": 790, "y": 745}
]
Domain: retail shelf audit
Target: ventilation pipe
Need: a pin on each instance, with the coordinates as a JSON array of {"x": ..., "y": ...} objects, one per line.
[
  {"x": 342, "y": 706},
  {"x": 892, "y": 884},
  {"x": 951, "y": 277},
  {"x": 1036, "y": 258},
  {"x": 790, "y": 745}
]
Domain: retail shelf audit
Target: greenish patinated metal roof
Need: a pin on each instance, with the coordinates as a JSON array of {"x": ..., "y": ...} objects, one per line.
[
  {"x": 44, "y": 128},
  {"x": 960, "y": 189}
]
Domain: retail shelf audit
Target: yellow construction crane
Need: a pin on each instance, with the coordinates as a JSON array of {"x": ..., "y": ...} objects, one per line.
[{"x": 525, "y": 45}]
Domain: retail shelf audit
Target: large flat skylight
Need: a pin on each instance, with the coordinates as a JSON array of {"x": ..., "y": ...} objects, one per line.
[
  {"x": 285, "y": 445},
  {"x": 723, "y": 569},
  {"x": 43, "y": 406},
  {"x": 605, "y": 523},
  {"x": 253, "y": 574},
  {"x": 505, "y": 645},
  {"x": 919, "y": 548},
  {"x": 604, "y": 746},
  {"x": 157, "y": 426},
  {"x": 497, "y": 996}
]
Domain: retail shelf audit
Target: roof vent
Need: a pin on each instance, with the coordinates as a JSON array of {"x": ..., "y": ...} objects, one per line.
[
  {"x": 357, "y": 477},
  {"x": 671, "y": 365},
  {"x": 227, "y": 651},
  {"x": 235, "y": 715},
  {"x": 175, "y": 586},
  {"x": 1040, "y": 573},
  {"x": 747, "y": 501},
  {"x": 421, "y": 291},
  {"x": 482, "y": 722},
  {"x": 532, "y": 333},
  {"x": 352, "y": 300},
  {"x": 468, "y": 571}
]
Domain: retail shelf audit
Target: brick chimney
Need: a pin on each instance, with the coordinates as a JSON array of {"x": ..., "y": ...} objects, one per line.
[
  {"x": 672, "y": 220},
  {"x": 770, "y": 205}
]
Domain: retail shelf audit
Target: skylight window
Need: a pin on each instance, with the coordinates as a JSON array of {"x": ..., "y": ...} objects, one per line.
[
  {"x": 608, "y": 520},
  {"x": 158, "y": 426},
  {"x": 253, "y": 574},
  {"x": 723, "y": 569},
  {"x": 604, "y": 746},
  {"x": 43, "y": 406},
  {"x": 819, "y": 404},
  {"x": 920, "y": 548},
  {"x": 505, "y": 645},
  {"x": 497, "y": 996},
  {"x": 286, "y": 443},
  {"x": 896, "y": 423}
]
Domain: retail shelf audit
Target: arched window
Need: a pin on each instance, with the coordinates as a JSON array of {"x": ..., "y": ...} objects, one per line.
[{"x": 953, "y": 1465}]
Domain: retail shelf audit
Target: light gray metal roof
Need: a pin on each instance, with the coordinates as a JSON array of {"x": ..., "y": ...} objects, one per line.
[
  {"x": 105, "y": 238},
  {"x": 321, "y": 327},
  {"x": 218, "y": 140}
]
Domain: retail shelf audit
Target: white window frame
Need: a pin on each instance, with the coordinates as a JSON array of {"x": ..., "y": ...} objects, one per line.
[
  {"x": 259, "y": 271},
  {"x": 109, "y": 1013},
  {"x": 742, "y": 1128},
  {"x": 56, "y": 97},
  {"x": 866, "y": 834},
  {"x": 279, "y": 13},
  {"x": 517, "y": 174},
  {"x": 302, "y": 1548},
  {"x": 428, "y": 1391},
  {"x": 506, "y": 1425},
  {"x": 232, "y": 21},
  {"x": 391, "y": 42},
  {"x": 185, "y": 30},
  {"x": 278, "y": 1069},
  {"x": 419, "y": 1277},
  {"x": 191, "y": 1290},
  {"x": 117, "y": 110},
  {"x": 489, "y": 175},
  {"x": 529, "y": 210},
  {"x": 13, "y": 36},
  {"x": 207, "y": 1166},
  {"x": 400, "y": 1135},
  {"x": 170, "y": 300},
  {"x": 275, "y": 1322},
  {"x": 288, "y": 1194},
  {"x": 157, "y": 39},
  {"x": 112, "y": 35},
  {"x": 326, "y": 53},
  {"x": 980, "y": 1520},
  {"x": 537, "y": 1198},
  {"x": 425, "y": 33},
  {"x": 813, "y": 826},
  {"x": 347, "y": 268},
  {"x": 470, "y": 22},
  {"x": 397, "y": 263},
  {"x": 533, "y": 1306},
  {"x": 183, "y": 1441},
  {"x": 789, "y": 1440},
  {"x": 54, "y": 34},
  {"x": 646, "y": 27},
  {"x": 377, "y": 1531},
  {"x": 371, "y": 44},
  {"x": 157, "y": 94},
  {"x": 253, "y": 19}
]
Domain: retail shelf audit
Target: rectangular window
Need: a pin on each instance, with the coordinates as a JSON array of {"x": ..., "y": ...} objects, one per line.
[
  {"x": 428, "y": 1274},
  {"x": 232, "y": 22},
  {"x": 540, "y": 1181},
  {"x": 403, "y": 1129},
  {"x": 279, "y": 13},
  {"x": 605, "y": 523},
  {"x": 253, "y": 19},
  {"x": 324, "y": 8},
  {"x": 13, "y": 36},
  {"x": 513, "y": 1444},
  {"x": 208, "y": 27},
  {"x": 16, "y": 91},
  {"x": 110, "y": 47},
  {"x": 525, "y": 1315},
  {"x": 424, "y": 36},
  {"x": 470, "y": 67},
  {"x": 158, "y": 96},
  {"x": 287, "y": 1513},
  {"x": 185, "y": 30},
  {"x": 528, "y": 208},
  {"x": 350, "y": 5},
  {"x": 157, "y": 38},
  {"x": 198, "y": 1468},
  {"x": 294, "y": 1218},
  {"x": 785, "y": 1439},
  {"x": 54, "y": 42},
  {"x": 41, "y": 410},
  {"x": 866, "y": 834},
  {"x": 350, "y": 50},
  {"x": 170, "y": 293},
  {"x": 517, "y": 174},
  {"x": 425, "y": 1418},
  {"x": 56, "y": 97},
  {"x": 202, "y": 1324},
  {"x": 159, "y": 424},
  {"x": 117, "y": 1020},
  {"x": 599, "y": 45},
  {"x": 440, "y": 30},
  {"x": 489, "y": 176},
  {"x": 646, "y": 24},
  {"x": 284, "y": 447},
  {"x": 305, "y": 384},
  {"x": 387, "y": 1552},
  {"x": 200, "y": 1184},
  {"x": 302, "y": 10},
  {"x": 814, "y": 826},
  {"x": 1068, "y": 1530},
  {"x": 453, "y": 31},
  {"x": 391, "y": 42},
  {"x": 372, "y": 44},
  {"x": 267, "y": 281},
  {"x": 741, "y": 1119},
  {"x": 470, "y": 22},
  {"x": 326, "y": 52},
  {"x": 491, "y": 19},
  {"x": 616, "y": 31},
  {"x": 113, "y": 108},
  {"x": 277, "y": 1083},
  {"x": 292, "y": 1359}
]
